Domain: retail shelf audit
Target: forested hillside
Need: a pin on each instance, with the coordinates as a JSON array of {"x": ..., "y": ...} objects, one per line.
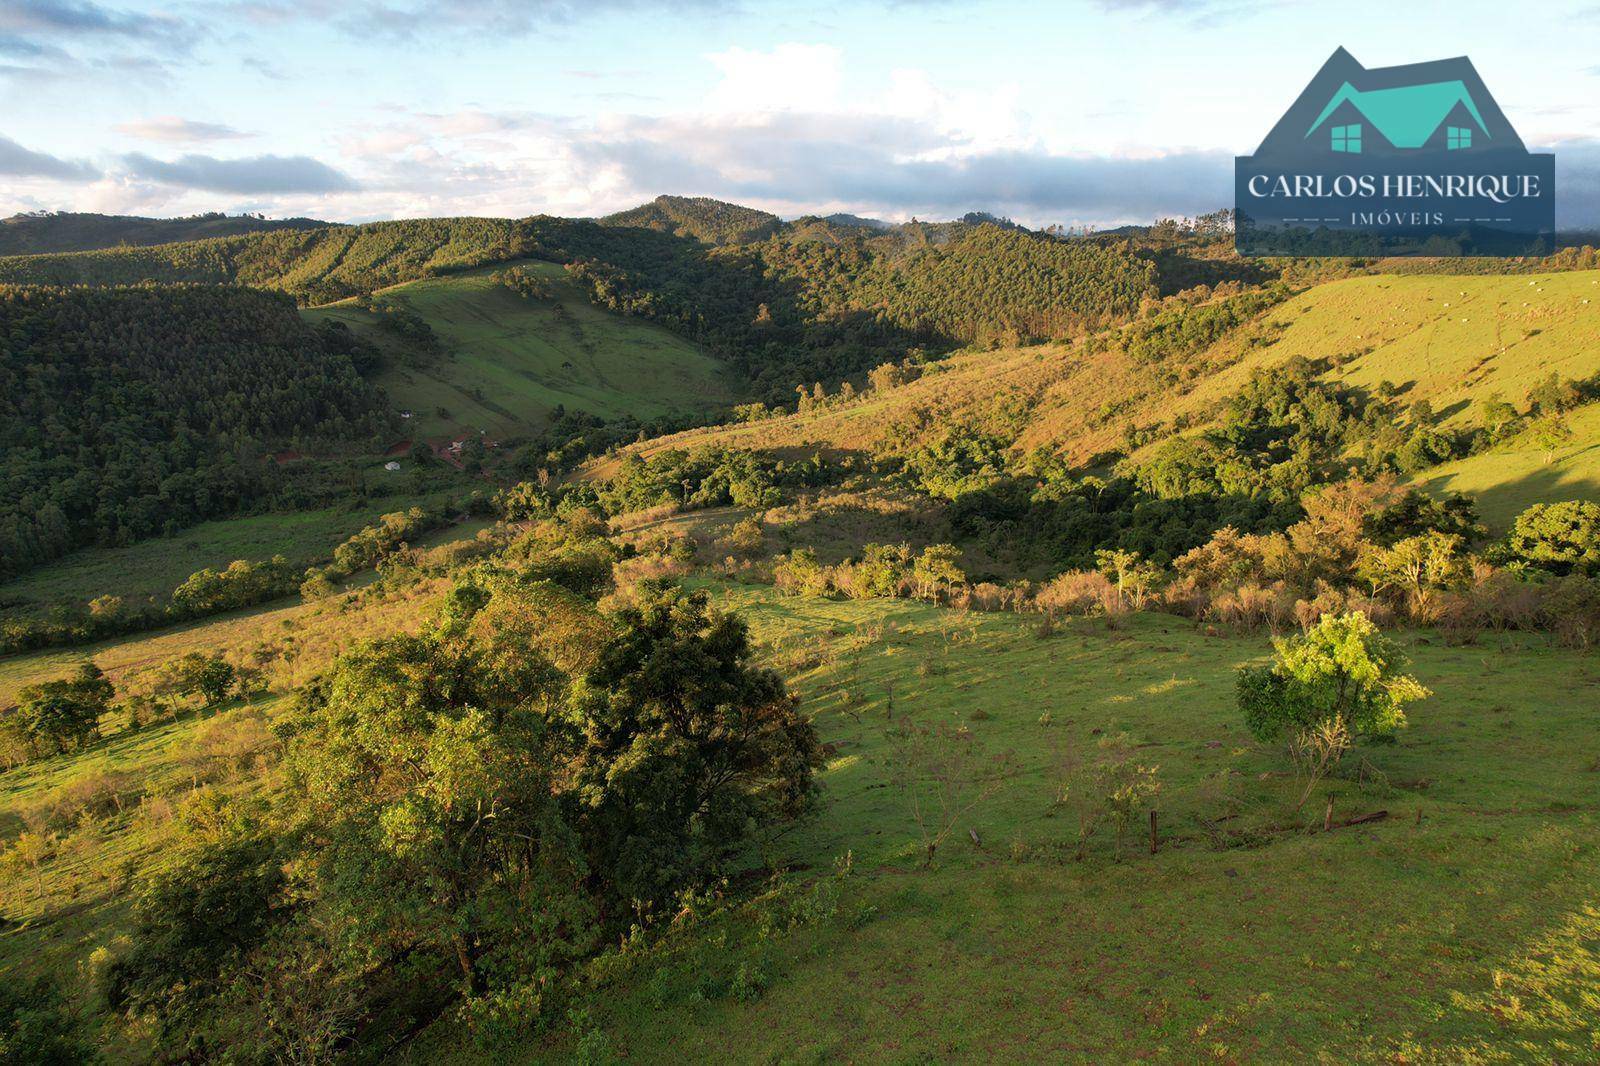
[
  {"x": 315, "y": 265},
  {"x": 70, "y": 231},
  {"x": 786, "y": 305},
  {"x": 125, "y": 412},
  {"x": 699, "y": 217}
]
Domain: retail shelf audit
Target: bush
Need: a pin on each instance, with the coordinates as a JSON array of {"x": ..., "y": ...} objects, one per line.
[
  {"x": 1561, "y": 538},
  {"x": 1342, "y": 671}
]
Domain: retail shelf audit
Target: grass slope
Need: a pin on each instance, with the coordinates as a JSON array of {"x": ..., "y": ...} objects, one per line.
[
  {"x": 1510, "y": 479},
  {"x": 511, "y": 360},
  {"x": 1449, "y": 340},
  {"x": 1470, "y": 935}
]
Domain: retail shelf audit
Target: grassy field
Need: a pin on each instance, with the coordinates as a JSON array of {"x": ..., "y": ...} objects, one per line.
[
  {"x": 1464, "y": 927},
  {"x": 510, "y": 360},
  {"x": 1509, "y": 480},
  {"x": 153, "y": 568}
]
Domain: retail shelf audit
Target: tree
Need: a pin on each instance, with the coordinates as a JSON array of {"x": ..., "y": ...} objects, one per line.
[
  {"x": 210, "y": 677},
  {"x": 1135, "y": 579},
  {"x": 196, "y": 916},
  {"x": 1418, "y": 567},
  {"x": 938, "y": 569},
  {"x": 684, "y": 748},
  {"x": 1562, "y": 538},
  {"x": 427, "y": 776},
  {"x": 1550, "y": 431},
  {"x": 65, "y": 714},
  {"x": 1342, "y": 671},
  {"x": 1498, "y": 415}
]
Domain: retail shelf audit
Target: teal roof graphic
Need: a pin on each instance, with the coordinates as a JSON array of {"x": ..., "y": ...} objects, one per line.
[
  {"x": 1406, "y": 115},
  {"x": 1348, "y": 109}
]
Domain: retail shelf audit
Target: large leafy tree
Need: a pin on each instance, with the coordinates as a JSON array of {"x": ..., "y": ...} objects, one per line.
[
  {"x": 64, "y": 714},
  {"x": 686, "y": 748},
  {"x": 1562, "y": 538},
  {"x": 429, "y": 784}
]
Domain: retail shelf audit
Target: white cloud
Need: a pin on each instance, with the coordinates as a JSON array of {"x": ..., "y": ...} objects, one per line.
[{"x": 790, "y": 77}]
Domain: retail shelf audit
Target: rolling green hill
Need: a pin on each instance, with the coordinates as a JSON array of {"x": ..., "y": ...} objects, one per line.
[
  {"x": 1450, "y": 340},
  {"x": 68, "y": 231},
  {"x": 507, "y": 360}
]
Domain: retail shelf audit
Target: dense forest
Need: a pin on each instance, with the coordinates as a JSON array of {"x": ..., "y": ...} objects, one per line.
[
  {"x": 126, "y": 412},
  {"x": 38, "y": 232}
]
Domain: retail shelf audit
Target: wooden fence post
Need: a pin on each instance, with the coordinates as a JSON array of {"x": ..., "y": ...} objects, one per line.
[{"x": 1327, "y": 816}]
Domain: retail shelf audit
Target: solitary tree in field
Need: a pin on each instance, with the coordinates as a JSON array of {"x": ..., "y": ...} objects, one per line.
[
  {"x": 65, "y": 714},
  {"x": 1341, "y": 682}
]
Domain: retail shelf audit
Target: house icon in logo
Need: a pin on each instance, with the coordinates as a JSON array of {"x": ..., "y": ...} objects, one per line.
[
  {"x": 1438, "y": 114},
  {"x": 1438, "y": 106},
  {"x": 1409, "y": 160}
]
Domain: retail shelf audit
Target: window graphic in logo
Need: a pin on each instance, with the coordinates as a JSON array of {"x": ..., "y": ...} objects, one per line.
[{"x": 1412, "y": 160}]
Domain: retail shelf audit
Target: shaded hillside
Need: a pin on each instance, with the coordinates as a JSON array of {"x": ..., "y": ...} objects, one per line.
[
  {"x": 70, "y": 231},
  {"x": 501, "y": 350},
  {"x": 129, "y": 412},
  {"x": 702, "y": 218},
  {"x": 809, "y": 301}
]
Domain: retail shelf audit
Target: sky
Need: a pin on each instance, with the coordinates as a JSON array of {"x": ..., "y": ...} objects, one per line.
[{"x": 1091, "y": 113}]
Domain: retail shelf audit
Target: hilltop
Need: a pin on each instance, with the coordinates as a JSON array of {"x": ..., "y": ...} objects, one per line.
[{"x": 699, "y": 217}]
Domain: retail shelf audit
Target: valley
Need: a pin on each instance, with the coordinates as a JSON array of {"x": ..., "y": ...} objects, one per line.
[{"x": 691, "y": 633}]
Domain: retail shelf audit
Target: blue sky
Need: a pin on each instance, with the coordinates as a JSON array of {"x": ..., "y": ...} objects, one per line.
[{"x": 1079, "y": 113}]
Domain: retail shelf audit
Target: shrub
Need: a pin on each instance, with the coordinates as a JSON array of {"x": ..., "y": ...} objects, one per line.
[{"x": 1342, "y": 670}]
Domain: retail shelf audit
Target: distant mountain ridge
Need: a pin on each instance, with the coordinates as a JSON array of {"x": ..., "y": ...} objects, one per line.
[{"x": 42, "y": 232}]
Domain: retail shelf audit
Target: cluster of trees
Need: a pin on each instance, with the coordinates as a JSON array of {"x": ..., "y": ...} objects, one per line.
[
  {"x": 55, "y": 716},
  {"x": 1387, "y": 552},
  {"x": 370, "y": 546},
  {"x": 526, "y": 283},
  {"x": 1286, "y": 432},
  {"x": 882, "y": 570},
  {"x": 472, "y": 812},
  {"x": 242, "y": 583},
  {"x": 823, "y": 302},
  {"x": 1185, "y": 330},
  {"x": 705, "y": 477},
  {"x": 125, "y": 413}
]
